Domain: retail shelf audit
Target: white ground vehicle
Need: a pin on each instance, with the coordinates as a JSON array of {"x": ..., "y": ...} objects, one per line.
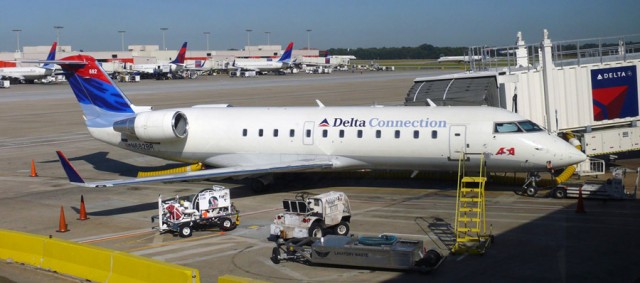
[
  {"x": 207, "y": 209},
  {"x": 313, "y": 216}
]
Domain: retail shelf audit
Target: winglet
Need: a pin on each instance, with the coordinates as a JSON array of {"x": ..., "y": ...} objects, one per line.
[{"x": 71, "y": 172}]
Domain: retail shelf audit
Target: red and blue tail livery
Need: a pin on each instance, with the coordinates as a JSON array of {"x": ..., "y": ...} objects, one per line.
[
  {"x": 51, "y": 56},
  {"x": 286, "y": 56},
  {"x": 181, "y": 54}
]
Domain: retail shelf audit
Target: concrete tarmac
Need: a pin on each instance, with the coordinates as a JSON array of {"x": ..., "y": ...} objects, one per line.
[{"x": 536, "y": 239}]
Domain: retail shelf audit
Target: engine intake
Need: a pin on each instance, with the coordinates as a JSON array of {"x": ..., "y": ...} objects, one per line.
[{"x": 155, "y": 126}]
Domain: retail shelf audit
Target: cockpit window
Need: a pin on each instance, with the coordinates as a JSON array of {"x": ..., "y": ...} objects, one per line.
[
  {"x": 510, "y": 127},
  {"x": 529, "y": 126},
  {"x": 517, "y": 127}
]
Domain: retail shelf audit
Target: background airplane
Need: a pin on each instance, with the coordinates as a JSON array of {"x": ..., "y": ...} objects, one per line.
[
  {"x": 162, "y": 68},
  {"x": 43, "y": 72},
  {"x": 259, "y": 141},
  {"x": 265, "y": 65}
]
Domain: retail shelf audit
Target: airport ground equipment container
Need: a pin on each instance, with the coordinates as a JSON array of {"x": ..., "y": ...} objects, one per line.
[
  {"x": 384, "y": 251},
  {"x": 612, "y": 188},
  {"x": 210, "y": 208},
  {"x": 313, "y": 216}
]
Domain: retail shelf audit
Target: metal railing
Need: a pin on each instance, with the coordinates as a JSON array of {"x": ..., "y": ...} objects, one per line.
[{"x": 564, "y": 53}]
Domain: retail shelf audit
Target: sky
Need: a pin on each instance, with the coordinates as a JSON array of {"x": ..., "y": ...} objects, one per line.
[{"x": 94, "y": 25}]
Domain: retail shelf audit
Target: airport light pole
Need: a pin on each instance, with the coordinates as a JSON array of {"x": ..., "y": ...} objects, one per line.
[
  {"x": 268, "y": 37},
  {"x": 163, "y": 30},
  {"x": 58, "y": 28},
  {"x": 206, "y": 34},
  {"x": 122, "y": 38},
  {"x": 249, "y": 36},
  {"x": 17, "y": 39},
  {"x": 308, "y": 39}
]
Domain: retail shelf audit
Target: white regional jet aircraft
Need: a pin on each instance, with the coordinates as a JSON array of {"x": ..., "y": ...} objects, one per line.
[
  {"x": 163, "y": 67},
  {"x": 258, "y": 141},
  {"x": 266, "y": 65},
  {"x": 30, "y": 74}
]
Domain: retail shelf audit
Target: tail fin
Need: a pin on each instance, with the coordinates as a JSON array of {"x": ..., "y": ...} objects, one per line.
[
  {"x": 51, "y": 56},
  {"x": 286, "y": 56},
  {"x": 181, "y": 54},
  {"x": 101, "y": 100}
]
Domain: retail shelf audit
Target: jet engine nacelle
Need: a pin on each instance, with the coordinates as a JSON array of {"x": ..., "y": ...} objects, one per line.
[{"x": 155, "y": 126}]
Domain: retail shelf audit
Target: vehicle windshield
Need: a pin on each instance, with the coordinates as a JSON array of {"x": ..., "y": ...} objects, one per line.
[{"x": 517, "y": 127}]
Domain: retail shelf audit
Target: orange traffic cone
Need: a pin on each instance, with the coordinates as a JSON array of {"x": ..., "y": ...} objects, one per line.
[
  {"x": 580, "y": 206},
  {"x": 83, "y": 211},
  {"x": 33, "y": 169},
  {"x": 63, "y": 223}
]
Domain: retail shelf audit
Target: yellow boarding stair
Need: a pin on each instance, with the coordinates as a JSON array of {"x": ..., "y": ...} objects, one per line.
[{"x": 471, "y": 223}]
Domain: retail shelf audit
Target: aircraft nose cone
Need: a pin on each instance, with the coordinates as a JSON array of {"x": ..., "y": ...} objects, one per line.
[{"x": 570, "y": 156}]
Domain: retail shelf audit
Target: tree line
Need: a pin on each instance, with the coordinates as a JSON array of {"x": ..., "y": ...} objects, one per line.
[{"x": 424, "y": 51}]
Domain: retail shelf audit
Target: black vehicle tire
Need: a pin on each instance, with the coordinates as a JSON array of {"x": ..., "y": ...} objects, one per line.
[
  {"x": 316, "y": 230},
  {"x": 532, "y": 191},
  {"x": 342, "y": 229},
  {"x": 559, "y": 193},
  {"x": 185, "y": 231},
  {"x": 275, "y": 255},
  {"x": 226, "y": 224},
  {"x": 429, "y": 261}
]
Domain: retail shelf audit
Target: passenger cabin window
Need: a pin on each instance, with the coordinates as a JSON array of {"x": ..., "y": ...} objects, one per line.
[
  {"x": 260, "y": 132},
  {"x": 308, "y": 133},
  {"x": 434, "y": 134},
  {"x": 325, "y": 133},
  {"x": 275, "y": 132},
  {"x": 416, "y": 134},
  {"x": 292, "y": 133},
  {"x": 341, "y": 134},
  {"x": 359, "y": 134},
  {"x": 378, "y": 134},
  {"x": 397, "y": 134},
  {"x": 244, "y": 132}
]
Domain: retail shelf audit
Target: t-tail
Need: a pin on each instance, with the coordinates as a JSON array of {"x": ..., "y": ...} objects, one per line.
[
  {"x": 102, "y": 102},
  {"x": 51, "y": 57},
  {"x": 286, "y": 56},
  {"x": 182, "y": 53}
]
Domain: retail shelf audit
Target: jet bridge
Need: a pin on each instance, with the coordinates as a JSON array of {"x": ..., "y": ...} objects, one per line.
[{"x": 588, "y": 87}]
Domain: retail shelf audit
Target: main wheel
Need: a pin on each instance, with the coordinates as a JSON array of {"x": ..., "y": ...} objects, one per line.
[
  {"x": 532, "y": 191},
  {"x": 342, "y": 229},
  {"x": 275, "y": 255},
  {"x": 316, "y": 230},
  {"x": 185, "y": 231},
  {"x": 560, "y": 193},
  {"x": 227, "y": 225}
]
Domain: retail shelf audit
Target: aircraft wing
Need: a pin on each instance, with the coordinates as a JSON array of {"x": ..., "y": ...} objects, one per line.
[{"x": 296, "y": 166}]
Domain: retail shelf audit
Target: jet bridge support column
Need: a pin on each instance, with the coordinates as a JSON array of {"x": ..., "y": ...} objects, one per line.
[{"x": 547, "y": 68}]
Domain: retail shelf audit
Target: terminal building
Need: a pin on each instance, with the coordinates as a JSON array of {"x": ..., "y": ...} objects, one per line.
[{"x": 586, "y": 87}]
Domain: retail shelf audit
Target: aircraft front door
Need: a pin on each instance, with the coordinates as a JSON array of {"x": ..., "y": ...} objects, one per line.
[
  {"x": 457, "y": 141},
  {"x": 307, "y": 135}
]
